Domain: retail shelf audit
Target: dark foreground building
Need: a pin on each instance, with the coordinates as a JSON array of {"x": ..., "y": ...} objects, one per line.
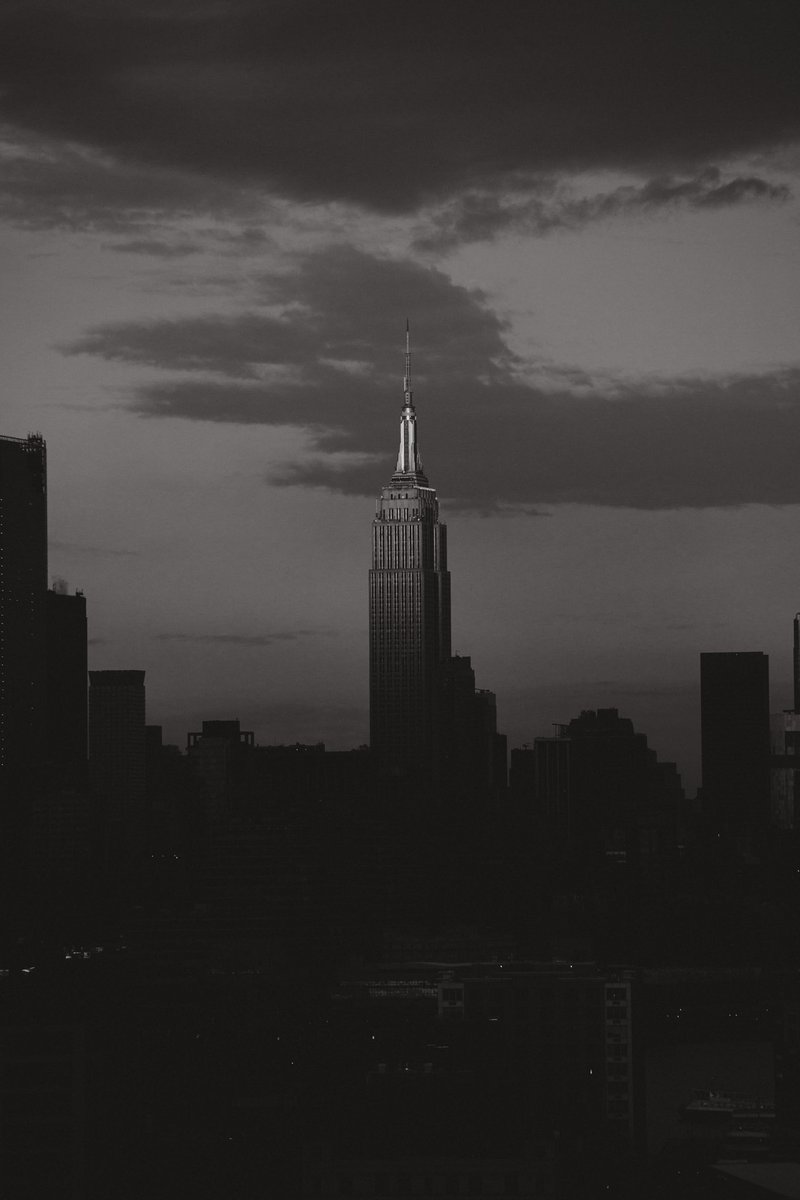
[
  {"x": 67, "y": 675},
  {"x": 23, "y": 584},
  {"x": 601, "y": 792},
  {"x": 23, "y": 587}
]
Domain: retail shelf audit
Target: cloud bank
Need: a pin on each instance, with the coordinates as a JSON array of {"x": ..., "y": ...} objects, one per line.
[
  {"x": 494, "y": 439},
  {"x": 482, "y": 216},
  {"x": 393, "y": 106}
]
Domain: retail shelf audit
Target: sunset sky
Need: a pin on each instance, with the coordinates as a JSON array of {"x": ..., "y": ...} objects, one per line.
[{"x": 215, "y": 219}]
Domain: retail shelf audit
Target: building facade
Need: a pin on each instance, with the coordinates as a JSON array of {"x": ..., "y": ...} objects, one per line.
[
  {"x": 67, "y": 675},
  {"x": 23, "y": 587},
  {"x": 409, "y": 616}
]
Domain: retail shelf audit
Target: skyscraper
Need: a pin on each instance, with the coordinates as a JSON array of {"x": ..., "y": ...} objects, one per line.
[
  {"x": 409, "y": 614},
  {"x": 23, "y": 588},
  {"x": 67, "y": 713}
]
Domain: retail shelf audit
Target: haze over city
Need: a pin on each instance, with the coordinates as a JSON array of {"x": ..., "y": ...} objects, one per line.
[{"x": 215, "y": 221}]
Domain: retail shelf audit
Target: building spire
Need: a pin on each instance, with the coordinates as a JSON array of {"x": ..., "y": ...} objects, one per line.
[
  {"x": 409, "y": 460},
  {"x": 407, "y": 377}
]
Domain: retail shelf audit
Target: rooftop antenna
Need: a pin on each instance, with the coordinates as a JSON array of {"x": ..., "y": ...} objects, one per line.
[{"x": 407, "y": 376}]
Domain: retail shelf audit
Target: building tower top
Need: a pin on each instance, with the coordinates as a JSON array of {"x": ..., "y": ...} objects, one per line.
[
  {"x": 407, "y": 376},
  {"x": 409, "y": 460}
]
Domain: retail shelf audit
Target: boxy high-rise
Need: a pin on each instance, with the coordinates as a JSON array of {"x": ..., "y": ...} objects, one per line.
[{"x": 23, "y": 587}]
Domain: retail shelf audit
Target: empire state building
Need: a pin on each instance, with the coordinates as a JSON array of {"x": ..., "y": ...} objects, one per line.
[{"x": 409, "y": 609}]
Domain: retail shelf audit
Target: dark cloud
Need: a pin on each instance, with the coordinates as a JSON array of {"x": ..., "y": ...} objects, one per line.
[
  {"x": 392, "y": 105},
  {"x": 744, "y": 188},
  {"x": 47, "y": 184},
  {"x": 493, "y": 441},
  {"x": 693, "y": 443},
  {"x": 236, "y": 346},
  {"x": 708, "y": 189},
  {"x": 481, "y": 216},
  {"x": 154, "y": 247},
  {"x": 238, "y": 639},
  {"x": 337, "y": 307}
]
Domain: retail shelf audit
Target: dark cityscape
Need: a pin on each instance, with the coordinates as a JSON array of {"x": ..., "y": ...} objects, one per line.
[{"x": 458, "y": 855}]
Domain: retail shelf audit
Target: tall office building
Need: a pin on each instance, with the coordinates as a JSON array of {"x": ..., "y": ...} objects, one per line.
[
  {"x": 409, "y": 617},
  {"x": 470, "y": 755},
  {"x": 67, "y": 746},
  {"x": 735, "y": 736},
  {"x": 58, "y": 818},
  {"x": 23, "y": 587}
]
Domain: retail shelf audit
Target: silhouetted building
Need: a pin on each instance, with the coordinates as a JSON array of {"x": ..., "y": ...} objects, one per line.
[
  {"x": 601, "y": 792},
  {"x": 23, "y": 584},
  {"x": 552, "y": 782},
  {"x": 470, "y": 754},
  {"x": 61, "y": 827},
  {"x": 734, "y": 701},
  {"x": 784, "y": 768},
  {"x": 67, "y": 679},
  {"x": 221, "y": 769},
  {"x": 168, "y": 816},
  {"x": 490, "y": 749},
  {"x": 43, "y": 700},
  {"x": 117, "y": 758},
  {"x": 409, "y": 618},
  {"x": 785, "y": 753},
  {"x": 454, "y": 727},
  {"x": 299, "y": 774}
]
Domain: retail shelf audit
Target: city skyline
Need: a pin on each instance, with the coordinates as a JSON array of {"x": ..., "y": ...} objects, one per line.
[{"x": 591, "y": 220}]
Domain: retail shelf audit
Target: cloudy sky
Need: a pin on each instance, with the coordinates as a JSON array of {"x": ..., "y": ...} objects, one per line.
[{"x": 216, "y": 218}]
